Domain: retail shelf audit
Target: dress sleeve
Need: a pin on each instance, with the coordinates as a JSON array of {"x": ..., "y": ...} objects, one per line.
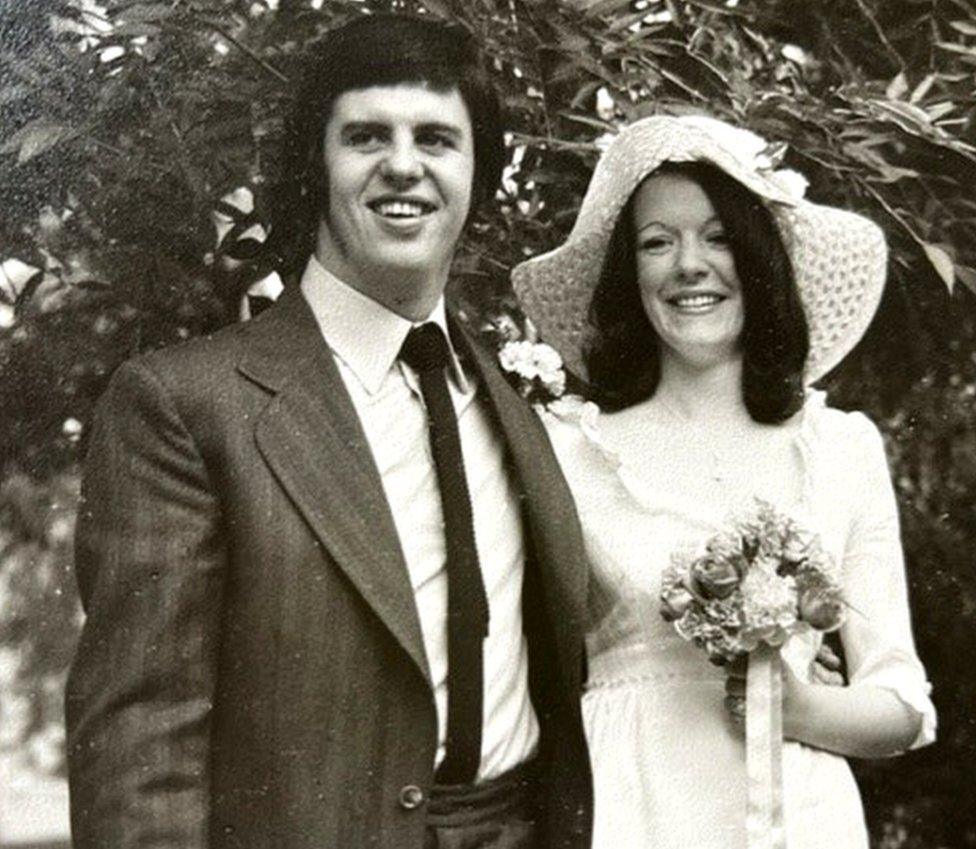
[
  {"x": 590, "y": 467},
  {"x": 877, "y": 635}
]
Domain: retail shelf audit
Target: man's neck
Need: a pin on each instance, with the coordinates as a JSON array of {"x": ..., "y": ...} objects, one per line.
[{"x": 409, "y": 293}]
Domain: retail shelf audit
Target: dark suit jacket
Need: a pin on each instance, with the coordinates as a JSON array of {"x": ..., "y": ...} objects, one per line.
[{"x": 252, "y": 672}]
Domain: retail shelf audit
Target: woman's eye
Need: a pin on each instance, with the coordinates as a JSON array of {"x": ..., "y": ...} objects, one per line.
[
  {"x": 718, "y": 237},
  {"x": 654, "y": 243}
]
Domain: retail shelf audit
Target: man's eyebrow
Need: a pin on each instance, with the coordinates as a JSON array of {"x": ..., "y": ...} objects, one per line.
[
  {"x": 440, "y": 127},
  {"x": 358, "y": 126}
]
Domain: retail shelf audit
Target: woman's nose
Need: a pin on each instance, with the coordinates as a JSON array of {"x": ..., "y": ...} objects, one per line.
[{"x": 691, "y": 259}]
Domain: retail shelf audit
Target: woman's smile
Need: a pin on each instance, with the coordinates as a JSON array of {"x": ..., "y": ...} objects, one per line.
[{"x": 696, "y": 303}]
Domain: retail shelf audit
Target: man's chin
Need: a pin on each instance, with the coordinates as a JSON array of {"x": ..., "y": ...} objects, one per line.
[{"x": 410, "y": 260}]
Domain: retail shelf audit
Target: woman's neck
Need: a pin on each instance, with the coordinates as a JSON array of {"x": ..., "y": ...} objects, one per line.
[{"x": 695, "y": 392}]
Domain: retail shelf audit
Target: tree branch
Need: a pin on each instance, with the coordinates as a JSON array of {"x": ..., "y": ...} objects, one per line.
[
  {"x": 247, "y": 51},
  {"x": 889, "y": 47}
]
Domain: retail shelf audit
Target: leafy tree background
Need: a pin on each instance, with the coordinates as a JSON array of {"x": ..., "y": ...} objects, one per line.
[{"x": 123, "y": 124}]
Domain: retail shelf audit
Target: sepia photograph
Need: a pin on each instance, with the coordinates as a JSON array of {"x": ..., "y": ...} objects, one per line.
[{"x": 487, "y": 424}]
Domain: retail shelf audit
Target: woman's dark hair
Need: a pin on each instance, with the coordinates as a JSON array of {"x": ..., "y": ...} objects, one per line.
[
  {"x": 624, "y": 360},
  {"x": 382, "y": 49}
]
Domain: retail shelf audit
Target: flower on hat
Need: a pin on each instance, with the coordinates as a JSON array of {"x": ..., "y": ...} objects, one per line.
[
  {"x": 744, "y": 144},
  {"x": 753, "y": 151},
  {"x": 793, "y": 183}
]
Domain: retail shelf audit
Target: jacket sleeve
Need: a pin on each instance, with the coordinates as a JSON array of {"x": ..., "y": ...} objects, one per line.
[{"x": 150, "y": 564}]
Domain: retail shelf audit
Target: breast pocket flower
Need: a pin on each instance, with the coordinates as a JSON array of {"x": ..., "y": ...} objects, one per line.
[{"x": 538, "y": 367}]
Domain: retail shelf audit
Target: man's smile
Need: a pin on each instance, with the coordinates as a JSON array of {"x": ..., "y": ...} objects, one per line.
[{"x": 408, "y": 208}]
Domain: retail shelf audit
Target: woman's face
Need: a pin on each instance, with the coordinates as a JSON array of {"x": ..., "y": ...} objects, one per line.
[{"x": 686, "y": 272}]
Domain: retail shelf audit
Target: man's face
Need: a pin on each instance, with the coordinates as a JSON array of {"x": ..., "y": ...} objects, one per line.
[{"x": 399, "y": 162}]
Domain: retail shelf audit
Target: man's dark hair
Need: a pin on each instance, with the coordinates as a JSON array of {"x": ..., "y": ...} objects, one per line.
[
  {"x": 624, "y": 360},
  {"x": 384, "y": 49}
]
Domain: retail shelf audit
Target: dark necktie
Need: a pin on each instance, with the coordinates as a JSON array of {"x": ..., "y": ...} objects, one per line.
[{"x": 425, "y": 351}]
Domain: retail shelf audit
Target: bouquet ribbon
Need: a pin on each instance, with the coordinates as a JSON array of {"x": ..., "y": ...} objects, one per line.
[{"x": 764, "y": 750}]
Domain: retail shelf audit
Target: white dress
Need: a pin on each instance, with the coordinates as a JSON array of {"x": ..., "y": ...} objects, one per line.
[{"x": 669, "y": 768}]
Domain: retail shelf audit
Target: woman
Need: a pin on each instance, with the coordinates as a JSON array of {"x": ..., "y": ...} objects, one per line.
[{"x": 701, "y": 295}]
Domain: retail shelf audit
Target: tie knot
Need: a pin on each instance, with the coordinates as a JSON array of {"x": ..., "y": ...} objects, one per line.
[{"x": 425, "y": 348}]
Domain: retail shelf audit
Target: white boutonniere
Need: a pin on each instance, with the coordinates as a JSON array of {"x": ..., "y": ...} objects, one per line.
[
  {"x": 534, "y": 368},
  {"x": 538, "y": 367}
]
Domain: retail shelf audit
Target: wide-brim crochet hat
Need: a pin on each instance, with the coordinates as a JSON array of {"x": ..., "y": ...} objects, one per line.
[{"x": 839, "y": 258}]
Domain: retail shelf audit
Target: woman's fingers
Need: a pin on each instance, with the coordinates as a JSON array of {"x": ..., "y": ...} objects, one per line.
[
  {"x": 735, "y": 689},
  {"x": 735, "y": 676},
  {"x": 736, "y": 707},
  {"x": 735, "y": 686}
]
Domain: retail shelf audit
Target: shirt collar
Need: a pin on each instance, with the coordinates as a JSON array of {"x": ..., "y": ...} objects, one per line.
[{"x": 363, "y": 333}]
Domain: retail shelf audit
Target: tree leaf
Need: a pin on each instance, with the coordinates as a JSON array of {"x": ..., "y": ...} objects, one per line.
[
  {"x": 135, "y": 29},
  {"x": 34, "y": 138},
  {"x": 147, "y": 13},
  {"x": 922, "y": 88},
  {"x": 16, "y": 277},
  {"x": 596, "y": 8},
  {"x": 897, "y": 87},
  {"x": 965, "y": 27},
  {"x": 940, "y": 110},
  {"x": 957, "y": 48},
  {"x": 942, "y": 263},
  {"x": 625, "y": 21},
  {"x": 603, "y": 126},
  {"x": 967, "y": 276}
]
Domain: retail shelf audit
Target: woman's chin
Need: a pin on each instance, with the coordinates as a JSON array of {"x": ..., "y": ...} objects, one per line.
[{"x": 706, "y": 354}]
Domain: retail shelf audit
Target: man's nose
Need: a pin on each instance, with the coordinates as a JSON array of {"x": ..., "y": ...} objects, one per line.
[{"x": 402, "y": 165}]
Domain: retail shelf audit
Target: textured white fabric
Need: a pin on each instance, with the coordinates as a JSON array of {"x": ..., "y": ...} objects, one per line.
[
  {"x": 365, "y": 339},
  {"x": 669, "y": 769}
]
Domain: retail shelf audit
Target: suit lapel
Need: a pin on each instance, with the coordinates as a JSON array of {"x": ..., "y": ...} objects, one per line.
[
  {"x": 553, "y": 522},
  {"x": 311, "y": 437}
]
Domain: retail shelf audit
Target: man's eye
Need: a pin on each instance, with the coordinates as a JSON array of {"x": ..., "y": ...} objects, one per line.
[
  {"x": 435, "y": 140},
  {"x": 363, "y": 138}
]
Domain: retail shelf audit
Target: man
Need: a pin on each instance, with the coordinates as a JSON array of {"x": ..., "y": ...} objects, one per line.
[{"x": 293, "y": 640}]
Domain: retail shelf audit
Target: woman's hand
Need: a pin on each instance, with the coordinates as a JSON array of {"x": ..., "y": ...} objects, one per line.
[
  {"x": 794, "y": 691},
  {"x": 859, "y": 721}
]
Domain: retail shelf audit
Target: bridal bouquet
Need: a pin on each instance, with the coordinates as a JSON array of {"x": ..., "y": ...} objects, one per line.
[
  {"x": 755, "y": 585},
  {"x": 759, "y": 582}
]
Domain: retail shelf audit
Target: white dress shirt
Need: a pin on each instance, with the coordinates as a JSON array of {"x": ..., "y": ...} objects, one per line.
[{"x": 365, "y": 338}]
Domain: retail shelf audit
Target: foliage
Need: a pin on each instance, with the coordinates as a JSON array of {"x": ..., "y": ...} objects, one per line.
[
  {"x": 123, "y": 124},
  {"x": 40, "y": 611}
]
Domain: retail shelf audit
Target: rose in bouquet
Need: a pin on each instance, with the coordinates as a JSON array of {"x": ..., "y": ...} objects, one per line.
[{"x": 760, "y": 581}]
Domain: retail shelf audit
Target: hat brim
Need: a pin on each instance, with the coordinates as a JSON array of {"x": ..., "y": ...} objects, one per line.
[{"x": 839, "y": 258}]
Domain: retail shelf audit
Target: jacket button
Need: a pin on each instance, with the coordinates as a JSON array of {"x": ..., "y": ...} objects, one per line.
[{"x": 411, "y": 797}]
